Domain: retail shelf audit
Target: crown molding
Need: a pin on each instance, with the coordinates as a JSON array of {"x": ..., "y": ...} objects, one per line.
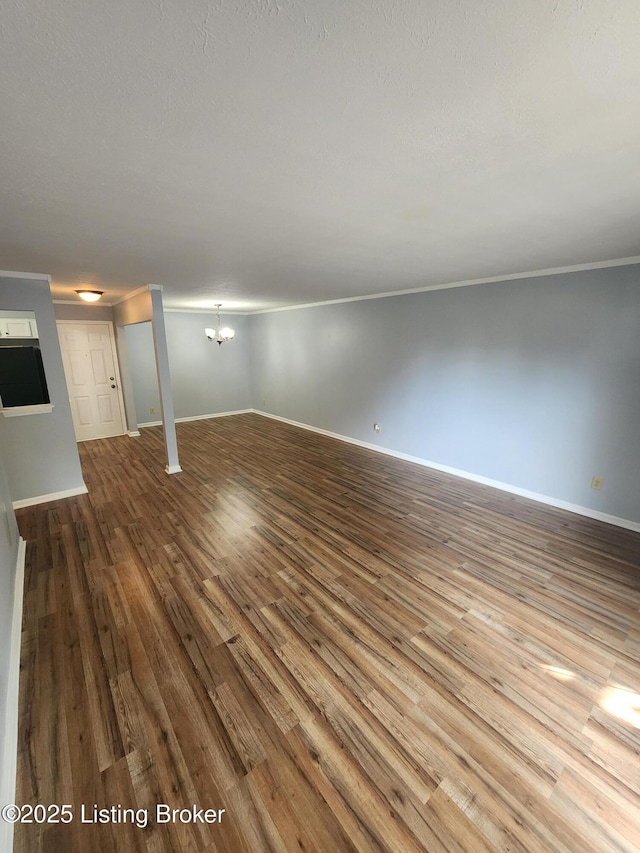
[
  {"x": 207, "y": 311},
  {"x": 595, "y": 265},
  {"x": 13, "y": 274},
  {"x": 146, "y": 288}
]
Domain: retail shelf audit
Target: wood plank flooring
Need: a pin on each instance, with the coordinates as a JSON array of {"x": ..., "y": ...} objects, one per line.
[{"x": 343, "y": 651}]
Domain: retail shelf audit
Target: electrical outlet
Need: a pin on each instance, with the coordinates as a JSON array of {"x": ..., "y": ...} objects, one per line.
[
  {"x": 377, "y": 428},
  {"x": 152, "y": 410},
  {"x": 596, "y": 483}
]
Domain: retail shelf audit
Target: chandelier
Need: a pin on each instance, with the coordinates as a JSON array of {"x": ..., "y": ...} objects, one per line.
[{"x": 220, "y": 334}]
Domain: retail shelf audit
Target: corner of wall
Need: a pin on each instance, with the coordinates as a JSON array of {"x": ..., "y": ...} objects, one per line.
[{"x": 9, "y": 751}]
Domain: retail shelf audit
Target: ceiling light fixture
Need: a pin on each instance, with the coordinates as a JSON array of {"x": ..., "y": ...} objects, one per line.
[
  {"x": 220, "y": 335},
  {"x": 90, "y": 295}
]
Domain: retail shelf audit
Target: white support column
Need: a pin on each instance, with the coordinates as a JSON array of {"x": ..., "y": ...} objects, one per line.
[{"x": 164, "y": 380}]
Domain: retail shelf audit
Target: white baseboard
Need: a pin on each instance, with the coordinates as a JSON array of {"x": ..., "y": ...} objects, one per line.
[
  {"x": 172, "y": 469},
  {"x": 133, "y": 433},
  {"x": 54, "y": 496},
  {"x": 198, "y": 417},
  {"x": 216, "y": 415},
  {"x": 98, "y": 437},
  {"x": 10, "y": 740},
  {"x": 466, "y": 475}
]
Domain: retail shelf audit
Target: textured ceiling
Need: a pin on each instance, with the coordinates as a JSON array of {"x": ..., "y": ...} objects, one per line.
[{"x": 267, "y": 153}]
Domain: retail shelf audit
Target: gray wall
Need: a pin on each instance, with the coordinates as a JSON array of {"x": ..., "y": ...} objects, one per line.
[
  {"x": 8, "y": 556},
  {"x": 142, "y": 370},
  {"x": 532, "y": 382},
  {"x": 205, "y": 378},
  {"x": 136, "y": 308},
  {"x": 83, "y": 311},
  {"x": 41, "y": 455}
]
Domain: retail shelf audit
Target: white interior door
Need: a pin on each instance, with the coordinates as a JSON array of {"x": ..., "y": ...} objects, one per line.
[{"x": 90, "y": 366}]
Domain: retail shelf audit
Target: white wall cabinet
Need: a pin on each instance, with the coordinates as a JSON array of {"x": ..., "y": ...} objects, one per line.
[{"x": 18, "y": 327}]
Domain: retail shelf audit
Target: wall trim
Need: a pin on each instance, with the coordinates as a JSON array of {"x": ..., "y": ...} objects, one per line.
[
  {"x": 595, "y": 265},
  {"x": 234, "y": 313},
  {"x": 466, "y": 475},
  {"x": 99, "y": 304},
  {"x": 145, "y": 288},
  {"x": 84, "y": 322},
  {"x": 99, "y": 438},
  {"x": 215, "y": 415},
  {"x": 53, "y": 496},
  {"x": 10, "y": 748},
  {"x": 172, "y": 469},
  {"x": 21, "y": 411},
  {"x": 14, "y": 274},
  {"x": 199, "y": 417},
  {"x": 133, "y": 433}
]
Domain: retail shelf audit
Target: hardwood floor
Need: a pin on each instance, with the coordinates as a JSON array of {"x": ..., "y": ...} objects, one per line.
[{"x": 343, "y": 651}]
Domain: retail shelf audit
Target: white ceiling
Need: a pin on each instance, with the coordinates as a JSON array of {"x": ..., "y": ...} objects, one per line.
[{"x": 272, "y": 152}]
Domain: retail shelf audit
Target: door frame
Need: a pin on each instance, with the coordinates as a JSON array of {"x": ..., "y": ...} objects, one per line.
[{"x": 116, "y": 367}]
